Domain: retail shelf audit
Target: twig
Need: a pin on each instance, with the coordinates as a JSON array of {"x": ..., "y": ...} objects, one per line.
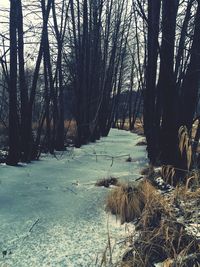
[
  {"x": 71, "y": 190},
  {"x": 141, "y": 177},
  {"x": 33, "y": 225}
]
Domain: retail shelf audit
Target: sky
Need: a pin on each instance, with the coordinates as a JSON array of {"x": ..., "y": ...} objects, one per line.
[
  {"x": 4, "y": 27},
  {"x": 4, "y": 3}
]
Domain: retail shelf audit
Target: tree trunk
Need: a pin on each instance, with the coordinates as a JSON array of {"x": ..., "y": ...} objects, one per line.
[
  {"x": 23, "y": 88},
  {"x": 14, "y": 139},
  {"x": 167, "y": 103},
  {"x": 150, "y": 94}
]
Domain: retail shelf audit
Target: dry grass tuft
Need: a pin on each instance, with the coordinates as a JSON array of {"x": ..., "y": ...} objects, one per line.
[
  {"x": 125, "y": 203},
  {"x": 156, "y": 206},
  {"x": 107, "y": 182},
  {"x": 190, "y": 190},
  {"x": 129, "y": 202},
  {"x": 182, "y": 193},
  {"x": 168, "y": 242},
  {"x": 71, "y": 127},
  {"x": 192, "y": 180},
  {"x": 185, "y": 145},
  {"x": 161, "y": 238},
  {"x": 168, "y": 173}
]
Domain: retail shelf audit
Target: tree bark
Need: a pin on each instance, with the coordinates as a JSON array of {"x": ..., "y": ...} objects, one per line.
[
  {"x": 14, "y": 139},
  {"x": 151, "y": 72},
  {"x": 167, "y": 93}
]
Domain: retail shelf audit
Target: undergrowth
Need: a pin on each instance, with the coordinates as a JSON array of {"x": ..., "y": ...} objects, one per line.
[
  {"x": 168, "y": 242},
  {"x": 161, "y": 237}
]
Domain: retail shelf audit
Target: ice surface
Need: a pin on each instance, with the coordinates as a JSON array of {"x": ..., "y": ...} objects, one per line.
[{"x": 58, "y": 194}]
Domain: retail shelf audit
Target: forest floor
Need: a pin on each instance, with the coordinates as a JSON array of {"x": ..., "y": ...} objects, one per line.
[{"x": 51, "y": 212}]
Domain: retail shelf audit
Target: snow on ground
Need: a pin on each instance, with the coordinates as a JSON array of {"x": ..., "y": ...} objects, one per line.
[{"x": 51, "y": 214}]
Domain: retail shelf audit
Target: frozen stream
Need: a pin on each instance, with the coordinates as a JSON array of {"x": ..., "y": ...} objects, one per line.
[{"x": 46, "y": 219}]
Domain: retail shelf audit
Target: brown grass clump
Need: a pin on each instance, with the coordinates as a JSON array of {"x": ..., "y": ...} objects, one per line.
[
  {"x": 129, "y": 202},
  {"x": 107, "y": 182},
  {"x": 161, "y": 238},
  {"x": 185, "y": 146},
  {"x": 71, "y": 127},
  {"x": 190, "y": 190},
  {"x": 182, "y": 193},
  {"x": 168, "y": 174},
  {"x": 192, "y": 180},
  {"x": 125, "y": 202},
  {"x": 168, "y": 242},
  {"x": 138, "y": 126}
]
